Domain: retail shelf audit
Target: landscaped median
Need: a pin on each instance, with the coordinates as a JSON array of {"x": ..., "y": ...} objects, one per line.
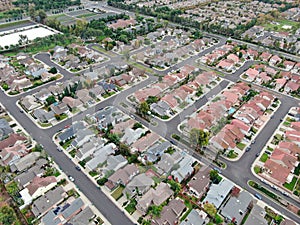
[{"x": 273, "y": 196}]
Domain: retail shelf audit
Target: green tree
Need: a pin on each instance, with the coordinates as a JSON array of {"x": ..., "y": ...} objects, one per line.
[
  {"x": 124, "y": 149},
  {"x": 210, "y": 209},
  {"x": 176, "y": 187},
  {"x": 144, "y": 108},
  {"x": 155, "y": 210},
  {"x": 7, "y": 215},
  {"x": 199, "y": 138},
  {"x": 50, "y": 100},
  {"x": 53, "y": 70}
]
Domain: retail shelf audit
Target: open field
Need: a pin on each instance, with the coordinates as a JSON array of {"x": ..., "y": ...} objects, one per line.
[
  {"x": 282, "y": 26},
  {"x": 32, "y": 33}
]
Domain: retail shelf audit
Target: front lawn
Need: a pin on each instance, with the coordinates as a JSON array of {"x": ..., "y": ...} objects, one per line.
[
  {"x": 240, "y": 146},
  {"x": 117, "y": 194},
  {"x": 291, "y": 185},
  {"x": 130, "y": 208},
  {"x": 232, "y": 154},
  {"x": 264, "y": 157},
  {"x": 256, "y": 169}
]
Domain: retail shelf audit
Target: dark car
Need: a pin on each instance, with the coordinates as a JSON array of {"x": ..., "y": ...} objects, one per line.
[{"x": 78, "y": 168}]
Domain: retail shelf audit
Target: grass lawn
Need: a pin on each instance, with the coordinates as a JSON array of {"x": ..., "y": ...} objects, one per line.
[
  {"x": 100, "y": 49},
  {"x": 240, "y": 145},
  {"x": 86, "y": 15},
  {"x": 279, "y": 27},
  {"x": 286, "y": 123},
  {"x": 130, "y": 208},
  {"x": 256, "y": 169},
  {"x": 232, "y": 154},
  {"x": 67, "y": 144},
  {"x": 17, "y": 23},
  {"x": 139, "y": 66},
  {"x": 263, "y": 190},
  {"x": 117, "y": 193},
  {"x": 264, "y": 157},
  {"x": 186, "y": 214},
  {"x": 291, "y": 185},
  {"x": 297, "y": 170},
  {"x": 45, "y": 124}
]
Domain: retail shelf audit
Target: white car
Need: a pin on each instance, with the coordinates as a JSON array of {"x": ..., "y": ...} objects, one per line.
[{"x": 71, "y": 178}]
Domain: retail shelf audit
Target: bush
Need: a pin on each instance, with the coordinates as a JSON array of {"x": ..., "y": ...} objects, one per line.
[{"x": 102, "y": 181}]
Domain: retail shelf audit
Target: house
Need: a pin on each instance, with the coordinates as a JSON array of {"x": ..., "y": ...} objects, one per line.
[
  {"x": 27, "y": 176},
  {"x": 5, "y": 129},
  {"x": 161, "y": 108},
  {"x": 72, "y": 103},
  {"x": 144, "y": 142},
  {"x": 70, "y": 132},
  {"x": 96, "y": 92},
  {"x": 140, "y": 184},
  {"x": 256, "y": 216},
  {"x": 100, "y": 156},
  {"x": 199, "y": 182},
  {"x": 60, "y": 108},
  {"x": 288, "y": 64},
  {"x": 170, "y": 100},
  {"x": 218, "y": 192},
  {"x": 252, "y": 74},
  {"x": 88, "y": 148},
  {"x": 13, "y": 139},
  {"x": 291, "y": 86},
  {"x": 265, "y": 56},
  {"x": 64, "y": 212},
  {"x": 122, "y": 176},
  {"x": 167, "y": 162},
  {"x": 120, "y": 128},
  {"x": 156, "y": 151},
  {"x": 9, "y": 155},
  {"x": 91, "y": 76},
  {"x": 59, "y": 53},
  {"x": 25, "y": 162},
  {"x": 82, "y": 137},
  {"x": 226, "y": 64},
  {"x": 114, "y": 163},
  {"x": 42, "y": 95},
  {"x": 37, "y": 187},
  {"x": 44, "y": 117},
  {"x": 171, "y": 213},
  {"x": 131, "y": 135},
  {"x": 275, "y": 59},
  {"x": 236, "y": 208},
  {"x": 29, "y": 103},
  {"x": 185, "y": 168},
  {"x": 233, "y": 57},
  {"x": 47, "y": 201},
  {"x": 196, "y": 216},
  {"x": 83, "y": 217},
  {"x": 154, "y": 197}
]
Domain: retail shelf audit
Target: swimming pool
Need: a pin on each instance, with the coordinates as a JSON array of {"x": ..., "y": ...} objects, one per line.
[{"x": 231, "y": 111}]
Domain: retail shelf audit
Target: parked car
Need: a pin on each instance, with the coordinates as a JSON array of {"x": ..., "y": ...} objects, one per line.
[
  {"x": 258, "y": 196},
  {"x": 78, "y": 168},
  {"x": 218, "y": 170},
  {"x": 71, "y": 178}
]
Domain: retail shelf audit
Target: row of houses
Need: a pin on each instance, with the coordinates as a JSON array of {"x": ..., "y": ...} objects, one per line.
[
  {"x": 284, "y": 81},
  {"x": 218, "y": 107},
  {"x": 76, "y": 56},
  {"x": 19, "y": 72},
  {"x": 249, "y": 115}
]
